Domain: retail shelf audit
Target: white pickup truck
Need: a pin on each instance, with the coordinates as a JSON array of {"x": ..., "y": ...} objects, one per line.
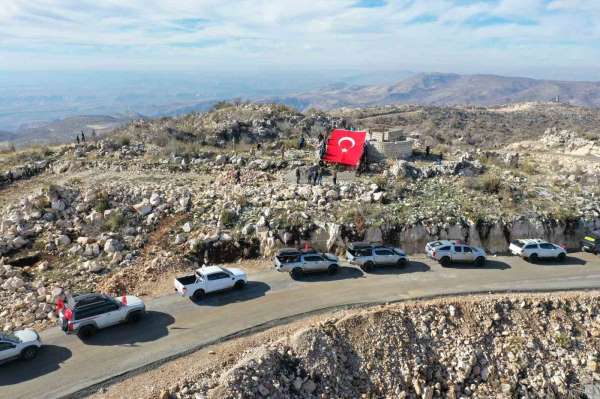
[{"x": 209, "y": 279}]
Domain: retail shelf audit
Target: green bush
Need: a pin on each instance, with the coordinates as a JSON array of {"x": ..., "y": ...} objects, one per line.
[
  {"x": 227, "y": 217},
  {"x": 115, "y": 221},
  {"x": 102, "y": 204}
]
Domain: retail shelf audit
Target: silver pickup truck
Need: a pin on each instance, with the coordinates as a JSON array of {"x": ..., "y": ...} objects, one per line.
[
  {"x": 297, "y": 262},
  {"x": 367, "y": 255}
]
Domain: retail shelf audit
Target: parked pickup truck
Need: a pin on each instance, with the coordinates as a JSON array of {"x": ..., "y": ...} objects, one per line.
[
  {"x": 85, "y": 314},
  {"x": 448, "y": 253},
  {"x": 367, "y": 256},
  {"x": 535, "y": 249},
  {"x": 209, "y": 279},
  {"x": 297, "y": 263},
  {"x": 591, "y": 243}
]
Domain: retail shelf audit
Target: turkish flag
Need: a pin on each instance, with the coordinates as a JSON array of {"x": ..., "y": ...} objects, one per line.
[{"x": 345, "y": 147}]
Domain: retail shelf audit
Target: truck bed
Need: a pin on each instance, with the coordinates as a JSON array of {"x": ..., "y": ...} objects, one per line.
[{"x": 186, "y": 280}]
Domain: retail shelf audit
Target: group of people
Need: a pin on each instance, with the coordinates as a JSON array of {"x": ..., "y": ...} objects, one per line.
[
  {"x": 82, "y": 140},
  {"x": 314, "y": 175}
]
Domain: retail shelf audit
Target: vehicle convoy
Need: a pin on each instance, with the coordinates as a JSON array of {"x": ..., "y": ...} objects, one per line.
[
  {"x": 297, "y": 262},
  {"x": 209, "y": 279},
  {"x": 85, "y": 314},
  {"x": 536, "y": 249},
  {"x": 367, "y": 256},
  {"x": 447, "y": 252},
  {"x": 591, "y": 243},
  {"x": 23, "y": 344}
]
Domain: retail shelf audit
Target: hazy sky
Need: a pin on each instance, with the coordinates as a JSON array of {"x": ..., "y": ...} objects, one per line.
[{"x": 539, "y": 38}]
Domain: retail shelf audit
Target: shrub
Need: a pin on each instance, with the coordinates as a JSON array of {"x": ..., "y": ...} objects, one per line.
[
  {"x": 102, "y": 205},
  {"x": 490, "y": 184},
  {"x": 115, "y": 221},
  {"x": 227, "y": 217},
  {"x": 123, "y": 141}
]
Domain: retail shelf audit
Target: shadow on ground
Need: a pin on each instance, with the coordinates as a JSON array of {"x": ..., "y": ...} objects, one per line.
[
  {"x": 489, "y": 264},
  {"x": 569, "y": 261},
  {"x": 343, "y": 273},
  {"x": 47, "y": 361},
  {"x": 153, "y": 326},
  {"x": 252, "y": 290},
  {"x": 411, "y": 267}
]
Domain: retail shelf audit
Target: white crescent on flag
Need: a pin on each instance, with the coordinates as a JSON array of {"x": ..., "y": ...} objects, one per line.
[{"x": 350, "y": 139}]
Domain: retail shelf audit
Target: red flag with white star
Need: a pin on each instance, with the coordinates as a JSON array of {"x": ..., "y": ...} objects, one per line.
[{"x": 345, "y": 147}]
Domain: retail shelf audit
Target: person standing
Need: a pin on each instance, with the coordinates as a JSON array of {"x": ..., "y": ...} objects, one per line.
[
  {"x": 301, "y": 143},
  {"x": 298, "y": 175},
  {"x": 77, "y": 137},
  {"x": 238, "y": 176},
  {"x": 334, "y": 177},
  {"x": 282, "y": 151},
  {"x": 82, "y": 136}
]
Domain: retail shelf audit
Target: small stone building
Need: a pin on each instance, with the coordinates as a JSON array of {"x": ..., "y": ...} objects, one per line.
[{"x": 389, "y": 144}]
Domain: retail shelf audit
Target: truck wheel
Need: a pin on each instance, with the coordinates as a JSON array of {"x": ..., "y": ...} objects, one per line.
[
  {"x": 445, "y": 261},
  {"x": 29, "y": 353},
  {"x": 401, "y": 263},
  {"x": 480, "y": 261},
  {"x": 296, "y": 273},
  {"x": 198, "y": 294},
  {"x": 561, "y": 257},
  {"x": 86, "y": 332},
  {"x": 368, "y": 266},
  {"x": 583, "y": 248},
  {"x": 239, "y": 284},
  {"x": 332, "y": 269},
  {"x": 134, "y": 317},
  {"x": 533, "y": 258}
]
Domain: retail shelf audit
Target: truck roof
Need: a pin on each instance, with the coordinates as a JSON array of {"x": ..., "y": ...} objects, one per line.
[{"x": 210, "y": 269}]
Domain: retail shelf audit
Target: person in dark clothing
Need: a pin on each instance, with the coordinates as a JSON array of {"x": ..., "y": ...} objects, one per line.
[
  {"x": 82, "y": 136},
  {"x": 321, "y": 137},
  {"x": 282, "y": 152},
  {"x": 298, "y": 175},
  {"x": 319, "y": 176},
  {"x": 301, "y": 143},
  {"x": 310, "y": 176},
  {"x": 238, "y": 176},
  {"x": 427, "y": 150},
  {"x": 10, "y": 176},
  {"x": 77, "y": 137},
  {"x": 334, "y": 177}
]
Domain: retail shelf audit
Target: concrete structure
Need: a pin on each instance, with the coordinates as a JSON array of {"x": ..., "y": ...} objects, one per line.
[{"x": 389, "y": 144}]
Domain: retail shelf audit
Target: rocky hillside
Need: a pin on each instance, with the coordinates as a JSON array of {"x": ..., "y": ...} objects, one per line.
[
  {"x": 483, "y": 347},
  {"x": 450, "y": 89},
  {"x": 162, "y": 196}
]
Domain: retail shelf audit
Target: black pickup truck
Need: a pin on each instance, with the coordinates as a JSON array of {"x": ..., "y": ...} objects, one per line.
[{"x": 591, "y": 243}]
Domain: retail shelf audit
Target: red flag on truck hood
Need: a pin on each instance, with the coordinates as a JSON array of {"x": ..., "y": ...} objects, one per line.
[{"x": 345, "y": 147}]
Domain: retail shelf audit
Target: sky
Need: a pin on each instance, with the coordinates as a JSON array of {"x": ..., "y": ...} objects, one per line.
[{"x": 539, "y": 38}]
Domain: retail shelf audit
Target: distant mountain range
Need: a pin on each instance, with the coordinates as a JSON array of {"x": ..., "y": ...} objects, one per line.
[
  {"x": 56, "y": 120},
  {"x": 448, "y": 89}
]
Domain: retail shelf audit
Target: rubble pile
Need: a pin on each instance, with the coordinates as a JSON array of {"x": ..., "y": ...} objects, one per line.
[
  {"x": 569, "y": 142},
  {"x": 520, "y": 346}
]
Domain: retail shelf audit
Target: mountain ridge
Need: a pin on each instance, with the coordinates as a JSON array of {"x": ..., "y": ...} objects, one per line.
[{"x": 449, "y": 89}]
